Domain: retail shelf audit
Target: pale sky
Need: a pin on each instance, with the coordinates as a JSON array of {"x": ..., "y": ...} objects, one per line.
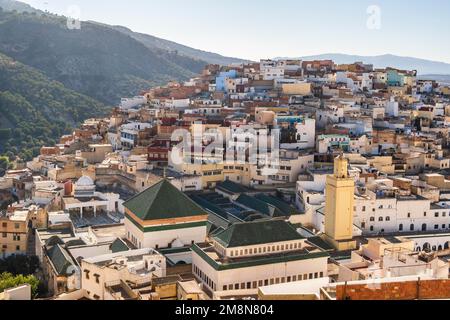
[{"x": 255, "y": 29}]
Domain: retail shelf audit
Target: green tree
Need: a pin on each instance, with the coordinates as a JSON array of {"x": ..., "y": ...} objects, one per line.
[
  {"x": 19, "y": 264},
  {"x": 8, "y": 280},
  {"x": 4, "y": 165}
]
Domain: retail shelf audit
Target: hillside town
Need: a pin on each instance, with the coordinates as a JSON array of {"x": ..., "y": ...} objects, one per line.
[{"x": 277, "y": 180}]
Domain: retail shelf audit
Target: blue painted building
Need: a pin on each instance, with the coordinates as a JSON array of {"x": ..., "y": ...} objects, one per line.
[
  {"x": 220, "y": 80},
  {"x": 395, "y": 79}
]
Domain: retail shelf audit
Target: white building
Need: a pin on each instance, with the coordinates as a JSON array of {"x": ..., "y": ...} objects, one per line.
[
  {"x": 305, "y": 136},
  {"x": 164, "y": 217},
  {"x": 87, "y": 201},
  {"x": 250, "y": 255},
  {"x": 271, "y": 70},
  {"x": 112, "y": 276},
  {"x": 383, "y": 211},
  {"x": 128, "y": 103}
]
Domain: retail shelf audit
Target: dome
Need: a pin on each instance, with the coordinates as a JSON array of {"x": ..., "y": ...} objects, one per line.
[{"x": 84, "y": 181}]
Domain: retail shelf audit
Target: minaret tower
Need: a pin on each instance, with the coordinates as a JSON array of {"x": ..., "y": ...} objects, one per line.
[{"x": 340, "y": 190}]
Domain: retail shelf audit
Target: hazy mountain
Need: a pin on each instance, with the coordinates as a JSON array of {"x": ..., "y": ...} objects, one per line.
[
  {"x": 10, "y": 5},
  {"x": 445, "y": 79},
  {"x": 154, "y": 42},
  {"x": 149, "y": 41},
  {"x": 408, "y": 63}
]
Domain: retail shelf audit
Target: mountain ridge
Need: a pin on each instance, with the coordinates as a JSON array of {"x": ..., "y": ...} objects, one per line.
[
  {"x": 154, "y": 42},
  {"x": 96, "y": 61}
]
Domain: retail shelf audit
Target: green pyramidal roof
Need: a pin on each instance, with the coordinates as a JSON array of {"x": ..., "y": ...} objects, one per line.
[
  {"x": 163, "y": 201},
  {"x": 257, "y": 232}
]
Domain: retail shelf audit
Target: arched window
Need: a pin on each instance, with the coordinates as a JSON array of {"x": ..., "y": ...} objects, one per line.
[
  {"x": 424, "y": 227},
  {"x": 372, "y": 219},
  {"x": 380, "y": 219},
  {"x": 388, "y": 218},
  {"x": 400, "y": 227},
  {"x": 411, "y": 227}
]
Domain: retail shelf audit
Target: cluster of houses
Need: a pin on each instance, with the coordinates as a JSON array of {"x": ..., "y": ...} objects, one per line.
[{"x": 283, "y": 179}]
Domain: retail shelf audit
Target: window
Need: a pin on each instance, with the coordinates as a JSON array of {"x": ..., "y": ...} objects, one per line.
[
  {"x": 4, "y": 224},
  {"x": 411, "y": 227},
  {"x": 17, "y": 248},
  {"x": 16, "y": 225},
  {"x": 371, "y": 228},
  {"x": 380, "y": 219},
  {"x": 4, "y": 235},
  {"x": 388, "y": 218},
  {"x": 400, "y": 227},
  {"x": 372, "y": 219}
]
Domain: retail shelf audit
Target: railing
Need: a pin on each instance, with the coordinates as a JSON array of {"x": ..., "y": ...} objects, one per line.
[{"x": 112, "y": 283}]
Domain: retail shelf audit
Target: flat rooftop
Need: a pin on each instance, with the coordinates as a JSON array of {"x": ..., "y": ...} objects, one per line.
[
  {"x": 117, "y": 231},
  {"x": 219, "y": 262}
]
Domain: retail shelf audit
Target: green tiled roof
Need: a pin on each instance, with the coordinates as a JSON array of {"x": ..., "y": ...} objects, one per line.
[
  {"x": 118, "y": 246},
  {"x": 258, "y": 261},
  {"x": 232, "y": 187},
  {"x": 257, "y": 232},
  {"x": 322, "y": 244},
  {"x": 260, "y": 206},
  {"x": 60, "y": 259},
  {"x": 163, "y": 201},
  {"x": 284, "y": 207}
]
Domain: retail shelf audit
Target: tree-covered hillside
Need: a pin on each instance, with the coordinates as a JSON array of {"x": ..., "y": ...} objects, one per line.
[
  {"x": 36, "y": 111},
  {"x": 95, "y": 60}
]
